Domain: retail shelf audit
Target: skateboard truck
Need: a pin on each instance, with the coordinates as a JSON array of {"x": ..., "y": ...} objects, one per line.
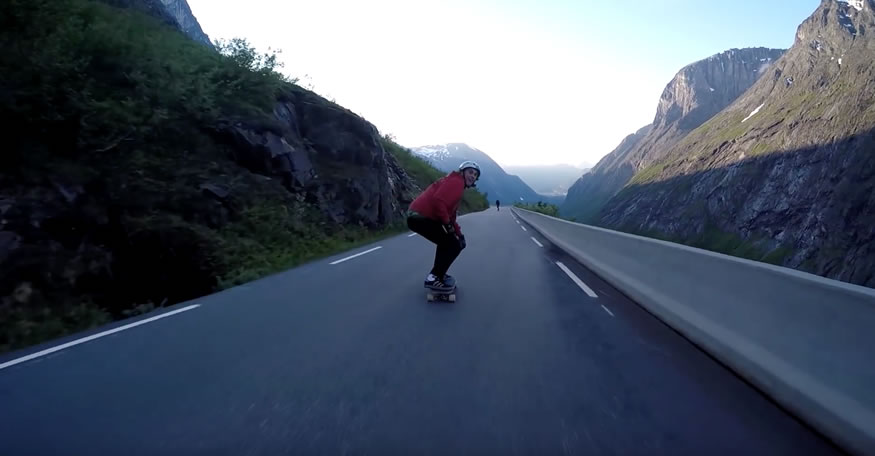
[{"x": 441, "y": 295}]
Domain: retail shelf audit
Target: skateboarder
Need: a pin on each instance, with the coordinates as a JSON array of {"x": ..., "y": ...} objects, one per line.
[
  {"x": 498, "y": 204},
  {"x": 433, "y": 215}
]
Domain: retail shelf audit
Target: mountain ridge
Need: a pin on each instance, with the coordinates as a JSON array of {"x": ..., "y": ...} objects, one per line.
[
  {"x": 695, "y": 93},
  {"x": 785, "y": 173}
]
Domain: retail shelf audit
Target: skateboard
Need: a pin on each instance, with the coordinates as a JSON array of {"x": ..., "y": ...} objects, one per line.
[{"x": 441, "y": 295}]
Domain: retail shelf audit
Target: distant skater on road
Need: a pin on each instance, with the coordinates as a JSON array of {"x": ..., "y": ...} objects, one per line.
[
  {"x": 498, "y": 204},
  {"x": 433, "y": 215}
]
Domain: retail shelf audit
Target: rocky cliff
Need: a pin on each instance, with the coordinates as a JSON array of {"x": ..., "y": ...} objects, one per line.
[
  {"x": 175, "y": 13},
  {"x": 188, "y": 24},
  {"x": 695, "y": 94},
  {"x": 326, "y": 154},
  {"x": 786, "y": 173}
]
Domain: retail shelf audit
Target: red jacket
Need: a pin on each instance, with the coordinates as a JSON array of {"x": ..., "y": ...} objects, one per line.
[{"x": 441, "y": 199}]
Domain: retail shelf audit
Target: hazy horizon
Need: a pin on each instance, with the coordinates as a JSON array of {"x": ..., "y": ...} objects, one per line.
[{"x": 529, "y": 83}]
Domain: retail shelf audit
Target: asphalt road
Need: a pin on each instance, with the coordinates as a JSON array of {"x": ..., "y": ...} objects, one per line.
[{"x": 349, "y": 358}]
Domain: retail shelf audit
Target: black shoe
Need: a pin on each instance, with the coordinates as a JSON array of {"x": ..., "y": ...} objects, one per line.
[{"x": 438, "y": 284}]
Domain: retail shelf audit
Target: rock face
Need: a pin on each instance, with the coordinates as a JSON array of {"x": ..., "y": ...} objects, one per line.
[
  {"x": 173, "y": 12},
  {"x": 786, "y": 173},
  {"x": 494, "y": 181},
  {"x": 181, "y": 13},
  {"x": 328, "y": 154},
  {"x": 97, "y": 233},
  {"x": 704, "y": 88},
  {"x": 695, "y": 94}
]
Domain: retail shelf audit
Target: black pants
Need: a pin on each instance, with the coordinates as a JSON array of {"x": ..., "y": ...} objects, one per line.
[{"x": 448, "y": 247}]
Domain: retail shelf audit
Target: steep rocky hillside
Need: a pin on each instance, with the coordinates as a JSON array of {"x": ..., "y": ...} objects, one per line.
[
  {"x": 786, "y": 173},
  {"x": 695, "y": 94},
  {"x": 143, "y": 168}
]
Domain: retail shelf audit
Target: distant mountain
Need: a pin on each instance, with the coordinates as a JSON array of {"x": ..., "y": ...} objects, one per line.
[
  {"x": 697, "y": 92},
  {"x": 785, "y": 173},
  {"x": 592, "y": 190},
  {"x": 494, "y": 181},
  {"x": 550, "y": 180}
]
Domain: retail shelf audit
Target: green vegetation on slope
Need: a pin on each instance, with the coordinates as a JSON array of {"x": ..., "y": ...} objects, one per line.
[
  {"x": 119, "y": 111},
  {"x": 99, "y": 78},
  {"x": 720, "y": 241},
  {"x": 585, "y": 210},
  {"x": 544, "y": 208},
  {"x": 647, "y": 174}
]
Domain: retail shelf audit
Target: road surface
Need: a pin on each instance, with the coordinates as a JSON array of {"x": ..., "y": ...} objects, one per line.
[{"x": 345, "y": 356}]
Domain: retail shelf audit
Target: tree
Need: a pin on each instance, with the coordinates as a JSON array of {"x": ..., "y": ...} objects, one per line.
[{"x": 241, "y": 52}]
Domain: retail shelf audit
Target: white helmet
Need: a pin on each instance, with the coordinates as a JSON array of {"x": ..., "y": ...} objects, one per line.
[{"x": 469, "y": 164}]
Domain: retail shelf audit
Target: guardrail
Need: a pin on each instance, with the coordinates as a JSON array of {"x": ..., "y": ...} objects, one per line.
[{"x": 806, "y": 341}]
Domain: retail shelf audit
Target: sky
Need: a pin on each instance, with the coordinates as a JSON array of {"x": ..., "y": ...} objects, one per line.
[{"x": 529, "y": 82}]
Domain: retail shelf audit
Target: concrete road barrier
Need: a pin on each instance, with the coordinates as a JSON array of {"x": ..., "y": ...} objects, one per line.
[{"x": 806, "y": 341}]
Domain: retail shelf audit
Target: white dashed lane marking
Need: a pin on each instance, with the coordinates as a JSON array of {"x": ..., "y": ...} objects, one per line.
[
  {"x": 577, "y": 280},
  {"x": 356, "y": 255},
  {"x": 94, "y": 336}
]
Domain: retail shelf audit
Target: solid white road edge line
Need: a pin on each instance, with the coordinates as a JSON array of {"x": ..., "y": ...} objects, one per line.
[
  {"x": 357, "y": 254},
  {"x": 577, "y": 280},
  {"x": 411, "y": 235},
  {"x": 94, "y": 336}
]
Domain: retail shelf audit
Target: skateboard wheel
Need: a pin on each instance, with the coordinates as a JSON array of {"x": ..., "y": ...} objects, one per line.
[{"x": 452, "y": 298}]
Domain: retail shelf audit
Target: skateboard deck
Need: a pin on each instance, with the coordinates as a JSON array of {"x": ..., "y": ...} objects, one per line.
[{"x": 441, "y": 295}]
